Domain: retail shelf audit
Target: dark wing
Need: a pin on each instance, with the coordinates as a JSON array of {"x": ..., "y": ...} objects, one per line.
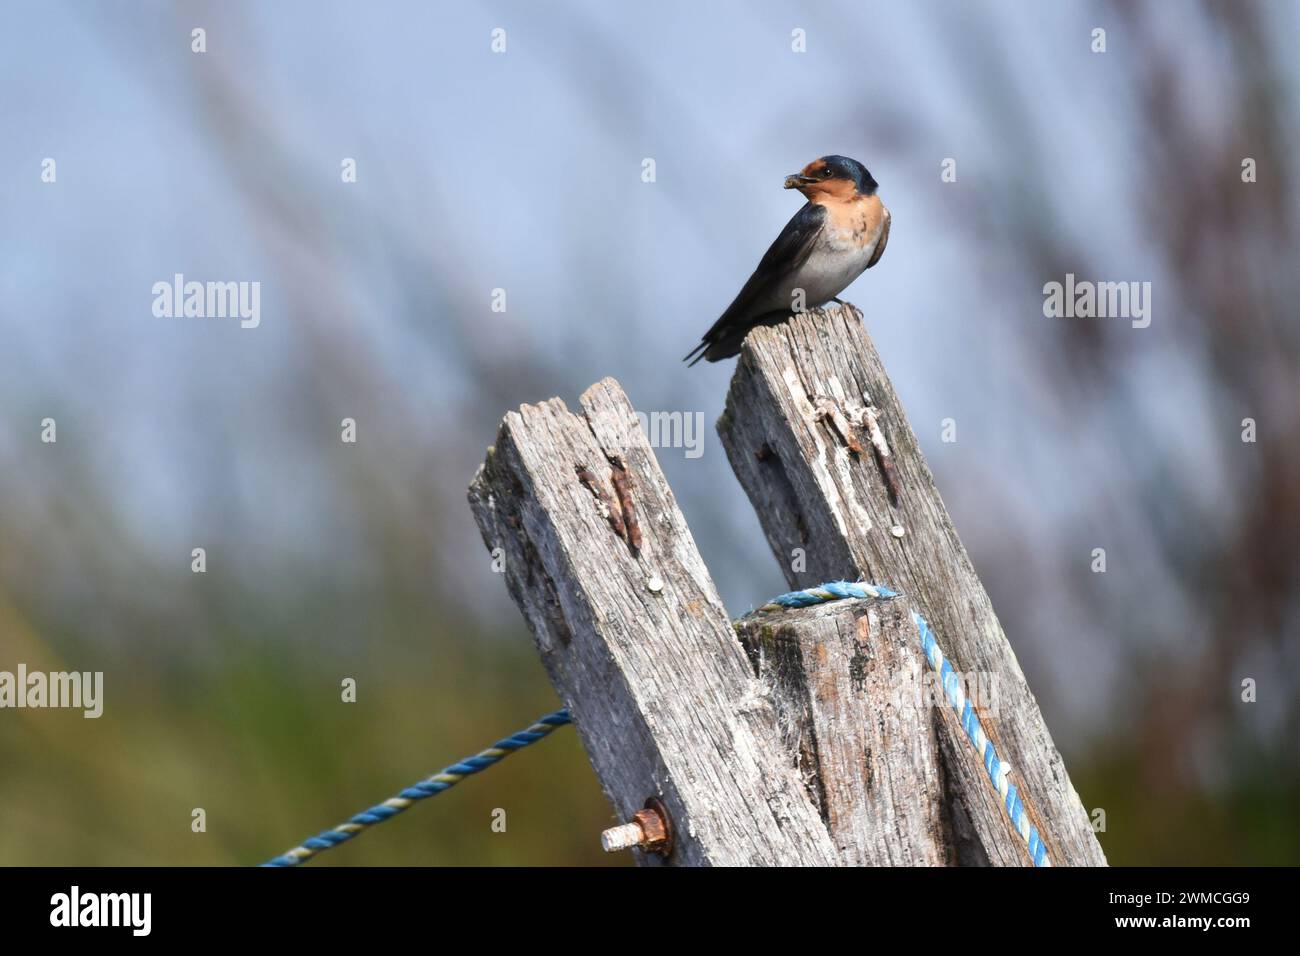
[
  {"x": 790, "y": 251},
  {"x": 880, "y": 243}
]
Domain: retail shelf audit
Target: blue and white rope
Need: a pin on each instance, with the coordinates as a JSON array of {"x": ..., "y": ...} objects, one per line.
[
  {"x": 443, "y": 780},
  {"x": 997, "y": 770}
]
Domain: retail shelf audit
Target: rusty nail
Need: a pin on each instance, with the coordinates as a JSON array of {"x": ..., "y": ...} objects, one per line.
[
  {"x": 613, "y": 514},
  {"x": 650, "y": 830},
  {"x": 623, "y": 492},
  {"x": 827, "y": 410},
  {"x": 870, "y": 420}
]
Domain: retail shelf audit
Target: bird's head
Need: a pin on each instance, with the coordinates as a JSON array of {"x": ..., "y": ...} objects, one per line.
[{"x": 833, "y": 177}]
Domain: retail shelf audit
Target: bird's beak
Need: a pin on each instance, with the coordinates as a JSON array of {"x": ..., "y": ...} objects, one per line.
[{"x": 795, "y": 180}]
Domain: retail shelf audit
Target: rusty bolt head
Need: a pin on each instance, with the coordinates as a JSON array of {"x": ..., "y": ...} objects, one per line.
[
  {"x": 657, "y": 826},
  {"x": 651, "y": 830},
  {"x": 654, "y": 833}
]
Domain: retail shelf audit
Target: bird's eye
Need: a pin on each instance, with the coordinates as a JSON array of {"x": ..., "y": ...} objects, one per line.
[{"x": 826, "y": 173}]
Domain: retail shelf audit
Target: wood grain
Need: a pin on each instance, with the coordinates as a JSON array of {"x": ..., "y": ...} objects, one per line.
[
  {"x": 796, "y": 386},
  {"x": 848, "y": 679},
  {"x": 635, "y": 638}
]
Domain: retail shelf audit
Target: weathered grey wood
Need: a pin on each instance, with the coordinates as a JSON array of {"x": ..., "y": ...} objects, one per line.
[
  {"x": 634, "y": 636},
  {"x": 848, "y": 680},
  {"x": 795, "y": 429}
]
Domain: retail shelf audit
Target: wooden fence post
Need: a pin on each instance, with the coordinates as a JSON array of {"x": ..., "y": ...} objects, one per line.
[
  {"x": 820, "y": 443},
  {"x": 848, "y": 681},
  {"x": 635, "y": 638}
]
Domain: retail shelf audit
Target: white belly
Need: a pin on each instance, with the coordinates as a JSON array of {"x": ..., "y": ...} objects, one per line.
[{"x": 832, "y": 266}]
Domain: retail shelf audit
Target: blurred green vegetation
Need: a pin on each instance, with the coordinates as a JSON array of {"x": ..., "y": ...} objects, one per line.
[
  {"x": 1252, "y": 821},
  {"x": 260, "y": 739}
]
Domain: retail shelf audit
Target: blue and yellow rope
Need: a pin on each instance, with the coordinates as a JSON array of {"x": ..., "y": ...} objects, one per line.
[
  {"x": 832, "y": 591},
  {"x": 996, "y": 769},
  {"x": 443, "y": 780}
]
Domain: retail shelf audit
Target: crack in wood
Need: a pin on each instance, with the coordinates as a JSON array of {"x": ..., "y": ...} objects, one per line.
[
  {"x": 608, "y": 507},
  {"x": 623, "y": 490}
]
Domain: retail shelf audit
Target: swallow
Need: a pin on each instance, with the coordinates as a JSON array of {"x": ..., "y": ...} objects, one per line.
[{"x": 839, "y": 233}]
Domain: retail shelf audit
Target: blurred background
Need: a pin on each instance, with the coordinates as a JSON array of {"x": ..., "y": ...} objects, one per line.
[{"x": 522, "y": 171}]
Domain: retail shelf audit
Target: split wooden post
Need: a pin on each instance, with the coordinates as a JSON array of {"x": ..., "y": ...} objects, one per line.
[
  {"x": 849, "y": 683},
  {"x": 820, "y": 443},
  {"x": 635, "y": 638}
]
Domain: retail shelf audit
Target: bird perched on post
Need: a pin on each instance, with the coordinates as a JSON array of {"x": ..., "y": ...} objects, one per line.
[{"x": 838, "y": 234}]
